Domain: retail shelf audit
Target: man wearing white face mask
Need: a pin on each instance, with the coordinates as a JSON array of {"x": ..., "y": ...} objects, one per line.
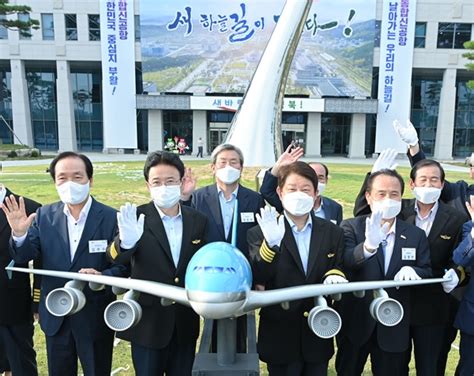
[
  {"x": 70, "y": 235},
  {"x": 158, "y": 246},
  {"x": 324, "y": 207},
  {"x": 431, "y": 330},
  {"x": 379, "y": 247},
  {"x": 217, "y": 202},
  {"x": 295, "y": 249}
]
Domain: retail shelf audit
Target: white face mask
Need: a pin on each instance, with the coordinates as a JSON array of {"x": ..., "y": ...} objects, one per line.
[
  {"x": 166, "y": 196},
  {"x": 228, "y": 174},
  {"x": 298, "y": 203},
  {"x": 321, "y": 188},
  {"x": 427, "y": 195},
  {"x": 73, "y": 193},
  {"x": 389, "y": 208}
]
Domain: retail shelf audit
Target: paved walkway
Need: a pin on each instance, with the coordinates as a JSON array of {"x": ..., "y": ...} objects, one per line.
[{"x": 100, "y": 157}]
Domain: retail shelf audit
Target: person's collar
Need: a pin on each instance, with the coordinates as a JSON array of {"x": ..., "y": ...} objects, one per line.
[
  {"x": 221, "y": 192},
  {"x": 294, "y": 227},
  {"x": 320, "y": 207},
  {"x": 84, "y": 211},
  {"x": 163, "y": 215},
  {"x": 392, "y": 228},
  {"x": 433, "y": 210}
]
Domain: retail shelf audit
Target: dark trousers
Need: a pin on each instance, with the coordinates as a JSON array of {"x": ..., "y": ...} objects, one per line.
[
  {"x": 199, "y": 151},
  {"x": 17, "y": 346},
  {"x": 64, "y": 348},
  {"x": 175, "y": 359},
  {"x": 298, "y": 369},
  {"x": 4, "y": 365},
  {"x": 351, "y": 358},
  {"x": 466, "y": 352},
  {"x": 449, "y": 337},
  {"x": 428, "y": 342}
]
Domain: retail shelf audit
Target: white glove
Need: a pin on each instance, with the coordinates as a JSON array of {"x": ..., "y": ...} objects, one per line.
[
  {"x": 130, "y": 228},
  {"x": 332, "y": 279},
  {"x": 386, "y": 160},
  {"x": 452, "y": 282},
  {"x": 374, "y": 232},
  {"x": 273, "y": 228},
  {"x": 407, "y": 132},
  {"x": 406, "y": 273}
]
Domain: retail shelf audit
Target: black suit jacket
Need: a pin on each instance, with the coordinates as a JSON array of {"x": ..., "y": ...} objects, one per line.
[
  {"x": 151, "y": 260},
  {"x": 15, "y": 293},
  {"x": 284, "y": 335},
  {"x": 358, "y": 324},
  {"x": 444, "y": 236},
  {"x": 206, "y": 201},
  {"x": 332, "y": 210}
]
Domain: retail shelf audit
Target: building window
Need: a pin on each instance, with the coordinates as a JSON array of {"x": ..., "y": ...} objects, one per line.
[
  {"x": 86, "y": 94},
  {"x": 43, "y": 108},
  {"x": 3, "y": 29},
  {"x": 178, "y": 125},
  {"x": 463, "y": 142},
  {"x": 420, "y": 34},
  {"x": 424, "y": 111},
  {"x": 47, "y": 26},
  {"x": 378, "y": 27},
  {"x": 453, "y": 35},
  {"x": 335, "y": 133},
  {"x": 6, "y": 135},
  {"x": 70, "y": 21},
  {"x": 94, "y": 27},
  {"x": 24, "y": 17}
]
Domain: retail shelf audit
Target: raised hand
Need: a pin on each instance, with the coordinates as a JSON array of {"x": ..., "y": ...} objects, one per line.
[
  {"x": 375, "y": 233},
  {"x": 386, "y": 160},
  {"x": 406, "y": 132},
  {"x": 289, "y": 156},
  {"x": 16, "y": 215},
  {"x": 273, "y": 228},
  {"x": 130, "y": 228},
  {"x": 470, "y": 207},
  {"x": 188, "y": 184}
]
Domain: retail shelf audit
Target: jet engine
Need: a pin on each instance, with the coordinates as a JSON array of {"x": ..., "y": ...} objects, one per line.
[
  {"x": 324, "y": 321},
  {"x": 385, "y": 310},
  {"x": 123, "y": 314},
  {"x": 66, "y": 300}
]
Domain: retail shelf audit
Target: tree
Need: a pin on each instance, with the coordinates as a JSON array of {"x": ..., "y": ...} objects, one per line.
[
  {"x": 470, "y": 56},
  {"x": 23, "y": 26}
]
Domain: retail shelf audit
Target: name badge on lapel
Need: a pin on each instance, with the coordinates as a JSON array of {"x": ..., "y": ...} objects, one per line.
[
  {"x": 409, "y": 254},
  {"x": 247, "y": 217},
  {"x": 97, "y": 246}
]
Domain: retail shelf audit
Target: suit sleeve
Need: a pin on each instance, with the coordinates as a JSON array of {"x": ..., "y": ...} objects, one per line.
[
  {"x": 423, "y": 259},
  {"x": 361, "y": 206},
  {"x": 263, "y": 259},
  {"x": 339, "y": 215},
  {"x": 414, "y": 159},
  {"x": 354, "y": 256},
  {"x": 268, "y": 191},
  {"x": 463, "y": 255},
  {"x": 37, "y": 264}
]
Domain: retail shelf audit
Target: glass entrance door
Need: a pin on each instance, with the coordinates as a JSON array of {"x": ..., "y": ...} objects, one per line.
[
  {"x": 335, "y": 132},
  {"x": 216, "y": 137}
]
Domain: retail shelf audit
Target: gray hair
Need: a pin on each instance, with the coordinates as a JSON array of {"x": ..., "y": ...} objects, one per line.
[{"x": 223, "y": 147}]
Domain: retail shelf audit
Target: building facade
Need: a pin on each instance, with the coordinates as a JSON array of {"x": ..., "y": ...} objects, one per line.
[{"x": 51, "y": 96}]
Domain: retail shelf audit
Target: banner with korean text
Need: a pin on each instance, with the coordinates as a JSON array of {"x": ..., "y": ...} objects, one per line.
[
  {"x": 397, "y": 35},
  {"x": 117, "y": 31}
]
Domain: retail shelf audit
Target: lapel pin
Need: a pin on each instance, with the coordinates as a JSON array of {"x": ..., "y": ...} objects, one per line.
[
  {"x": 445, "y": 237},
  {"x": 403, "y": 237}
]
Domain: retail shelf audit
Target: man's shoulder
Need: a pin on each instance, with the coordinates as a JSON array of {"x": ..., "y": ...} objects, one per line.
[
  {"x": 205, "y": 190},
  {"x": 196, "y": 215},
  {"x": 330, "y": 201},
  {"x": 108, "y": 210}
]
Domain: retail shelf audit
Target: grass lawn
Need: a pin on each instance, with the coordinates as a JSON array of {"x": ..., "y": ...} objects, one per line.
[{"x": 117, "y": 183}]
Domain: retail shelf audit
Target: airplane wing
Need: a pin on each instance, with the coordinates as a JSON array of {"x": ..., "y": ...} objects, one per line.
[
  {"x": 258, "y": 299},
  {"x": 161, "y": 290}
]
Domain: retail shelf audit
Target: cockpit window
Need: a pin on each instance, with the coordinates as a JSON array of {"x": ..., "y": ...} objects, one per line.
[{"x": 214, "y": 269}]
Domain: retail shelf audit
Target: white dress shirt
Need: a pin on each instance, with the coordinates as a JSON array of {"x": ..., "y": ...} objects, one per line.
[
  {"x": 227, "y": 208},
  {"x": 425, "y": 223},
  {"x": 387, "y": 247},
  {"x": 303, "y": 239},
  {"x": 3, "y": 192},
  {"x": 174, "y": 232}
]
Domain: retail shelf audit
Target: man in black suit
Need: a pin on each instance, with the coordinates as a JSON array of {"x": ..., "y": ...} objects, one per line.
[
  {"x": 296, "y": 249},
  {"x": 217, "y": 201},
  {"x": 158, "y": 246},
  {"x": 379, "y": 247},
  {"x": 324, "y": 207},
  {"x": 70, "y": 235},
  {"x": 16, "y": 321}
]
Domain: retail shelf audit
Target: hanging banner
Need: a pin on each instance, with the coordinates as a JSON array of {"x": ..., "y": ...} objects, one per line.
[
  {"x": 117, "y": 31},
  {"x": 397, "y": 36}
]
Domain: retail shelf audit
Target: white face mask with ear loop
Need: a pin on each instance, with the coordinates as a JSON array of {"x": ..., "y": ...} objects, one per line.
[
  {"x": 389, "y": 208},
  {"x": 73, "y": 193},
  {"x": 166, "y": 196},
  {"x": 298, "y": 203},
  {"x": 427, "y": 195},
  {"x": 228, "y": 174}
]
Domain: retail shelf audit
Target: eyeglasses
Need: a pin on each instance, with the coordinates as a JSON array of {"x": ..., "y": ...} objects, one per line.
[{"x": 166, "y": 183}]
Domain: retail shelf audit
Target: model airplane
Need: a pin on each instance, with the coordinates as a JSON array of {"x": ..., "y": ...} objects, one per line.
[{"x": 218, "y": 285}]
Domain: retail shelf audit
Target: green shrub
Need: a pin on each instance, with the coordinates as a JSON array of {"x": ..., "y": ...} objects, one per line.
[{"x": 12, "y": 154}]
